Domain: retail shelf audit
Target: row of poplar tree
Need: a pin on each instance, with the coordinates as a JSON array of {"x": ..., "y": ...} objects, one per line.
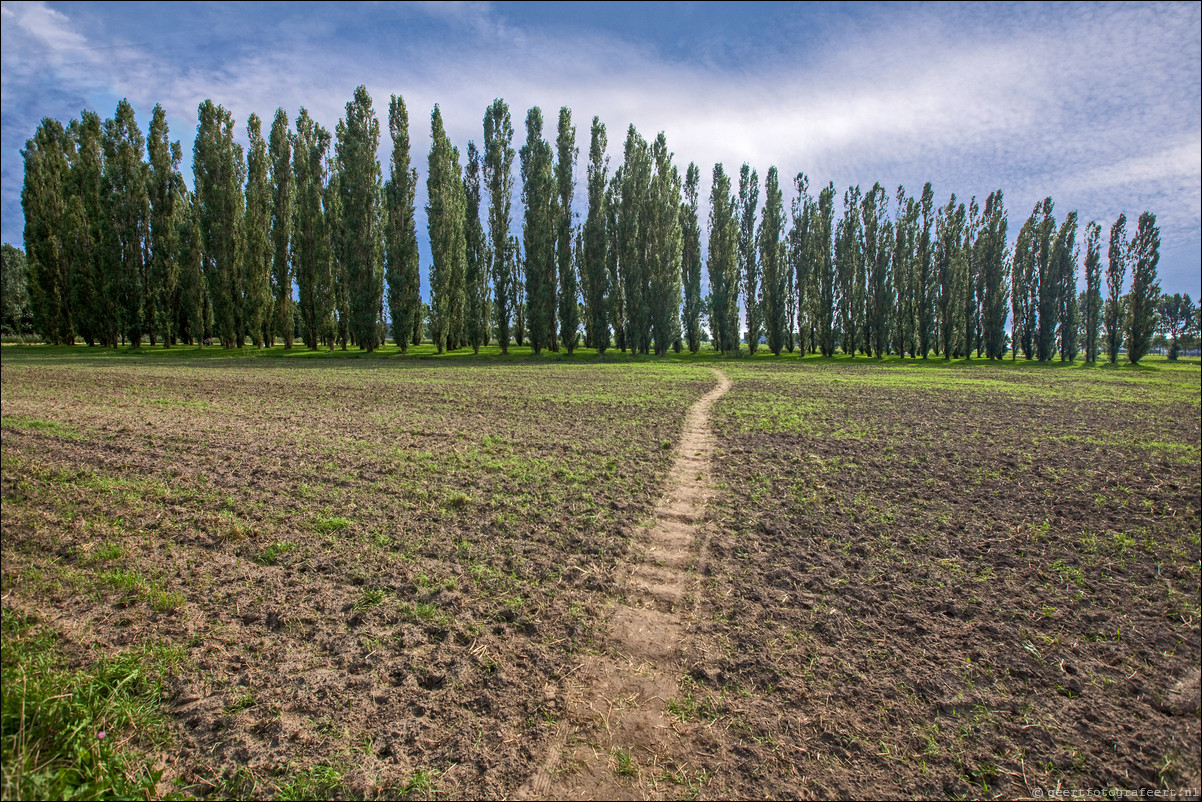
[{"x": 119, "y": 248}]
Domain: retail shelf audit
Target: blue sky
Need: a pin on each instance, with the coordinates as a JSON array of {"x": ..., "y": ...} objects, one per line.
[{"x": 1098, "y": 106}]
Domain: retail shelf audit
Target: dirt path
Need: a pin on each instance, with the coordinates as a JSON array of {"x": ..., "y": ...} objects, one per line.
[{"x": 618, "y": 737}]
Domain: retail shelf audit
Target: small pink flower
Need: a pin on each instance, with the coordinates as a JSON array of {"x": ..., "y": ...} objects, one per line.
[{"x": 100, "y": 734}]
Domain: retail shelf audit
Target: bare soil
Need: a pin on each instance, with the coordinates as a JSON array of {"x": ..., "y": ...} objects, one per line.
[{"x": 623, "y": 581}]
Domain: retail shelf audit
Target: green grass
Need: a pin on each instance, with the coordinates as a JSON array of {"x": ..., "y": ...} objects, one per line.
[
  {"x": 38, "y": 425},
  {"x": 318, "y": 782},
  {"x": 271, "y": 554},
  {"x": 62, "y": 729}
]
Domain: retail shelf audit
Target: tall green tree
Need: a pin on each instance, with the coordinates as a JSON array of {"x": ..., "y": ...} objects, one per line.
[
  {"x": 905, "y": 275},
  {"x": 849, "y": 294},
  {"x": 338, "y": 330},
  {"x": 800, "y": 263},
  {"x": 632, "y": 235},
  {"x": 690, "y": 229},
  {"x": 749, "y": 268},
  {"x": 498, "y": 176},
  {"x": 825, "y": 279},
  {"x": 162, "y": 293},
  {"x": 1114, "y": 314},
  {"x": 47, "y": 234},
  {"x": 565, "y": 187},
  {"x": 360, "y": 191},
  {"x": 594, "y": 264},
  {"x": 124, "y": 194},
  {"x": 878, "y": 253},
  {"x": 257, "y": 245},
  {"x": 925, "y": 285},
  {"x": 1091, "y": 321},
  {"x": 1024, "y": 290},
  {"x": 310, "y": 240},
  {"x": 219, "y": 172},
  {"x": 400, "y": 231},
  {"x": 991, "y": 253},
  {"x": 1065, "y": 257},
  {"x": 191, "y": 322},
  {"x": 1048, "y": 283},
  {"x": 969, "y": 272},
  {"x": 949, "y": 239},
  {"x": 618, "y": 319},
  {"x": 478, "y": 258},
  {"x": 282, "y": 191},
  {"x": 538, "y": 232},
  {"x": 446, "y": 212},
  {"x": 1145, "y": 288},
  {"x": 774, "y": 268},
  {"x": 722, "y": 263},
  {"x": 662, "y": 226},
  {"x": 83, "y": 231}
]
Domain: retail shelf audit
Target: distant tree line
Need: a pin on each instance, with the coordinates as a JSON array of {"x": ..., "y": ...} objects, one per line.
[{"x": 302, "y": 235}]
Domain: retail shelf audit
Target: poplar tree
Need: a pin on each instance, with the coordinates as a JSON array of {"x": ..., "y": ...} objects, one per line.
[
  {"x": 1024, "y": 289},
  {"x": 163, "y": 290},
  {"x": 722, "y": 263},
  {"x": 949, "y": 234},
  {"x": 1064, "y": 256},
  {"x": 257, "y": 253},
  {"x": 594, "y": 264},
  {"x": 42, "y": 200},
  {"x": 519, "y": 290},
  {"x": 925, "y": 283},
  {"x": 970, "y": 283},
  {"x": 477, "y": 260},
  {"x": 565, "y": 186},
  {"x": 282, "y": 190},
  {"x": 905, "y": 278},
  {"x": 400, "y": 232},
  {"x": 618, "y": 321},
  {"x": 774, "y": 268},
  {"x": 824, "y": 271},
  {"x": 848, "y": 270},
  {"x": 878, "y": 250},
  {"x": 1091, "y": 322},
  {"x": 84, "y": 229},
  {"x": 631, "y": 235},
  {"x": 662, "y": 226},
  {"x": 124, "y": 195},
  {"x": 337, "y": 331},
  {"x": 749, "y": 269},
  {"x": 1048, "y": 282},
  {"x": 498, "y": 176},
  {"x": 799, "y": 262},
  {"x": 218, "y": 175},
  {"x": 191, "y": 322},
  {"x": 1114, "y": 317},
  {"x": 538, "y": 233},
  {"x": 310, "y": 241},
  {"x": 690, "y": 228},
  {"x": 1145, "y": 288},
  {"x": 446, "y": 212},
  {"x": 991, "y": 249},
  {"x": 359, "y": 192}
]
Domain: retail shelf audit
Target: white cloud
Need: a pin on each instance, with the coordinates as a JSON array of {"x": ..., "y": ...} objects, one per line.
[{"x": 1087, "y": 103}]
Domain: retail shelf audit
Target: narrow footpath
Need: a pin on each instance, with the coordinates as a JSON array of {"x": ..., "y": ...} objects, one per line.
[{"x": 618, "y": 739}]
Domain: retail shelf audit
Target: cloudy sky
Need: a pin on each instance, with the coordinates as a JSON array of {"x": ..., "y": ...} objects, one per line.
[{"x": 1098, "y": 106}]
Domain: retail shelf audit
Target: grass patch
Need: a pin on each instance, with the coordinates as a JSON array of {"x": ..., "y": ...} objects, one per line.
[
  {"x": 62, "y": 730},
  {"x": 38, "y": 425}
]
